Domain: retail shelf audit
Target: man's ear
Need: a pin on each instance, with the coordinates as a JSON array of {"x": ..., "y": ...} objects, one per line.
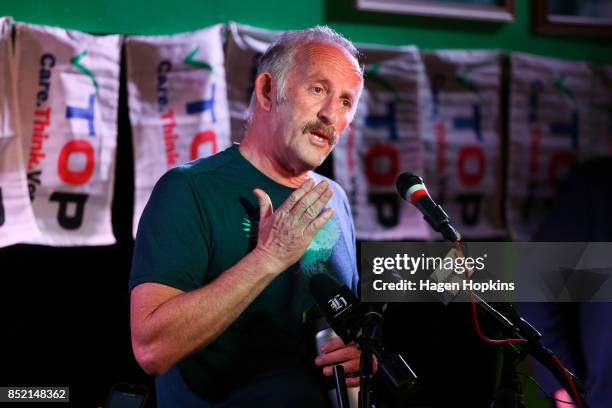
[{"x": 264, "y": 91}]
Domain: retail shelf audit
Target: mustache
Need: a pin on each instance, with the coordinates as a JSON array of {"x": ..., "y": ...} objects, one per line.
[{"x": 316, "y": 126}]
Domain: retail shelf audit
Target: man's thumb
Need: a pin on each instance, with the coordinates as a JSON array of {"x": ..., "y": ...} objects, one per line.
[{"x": 265, "y": 204}]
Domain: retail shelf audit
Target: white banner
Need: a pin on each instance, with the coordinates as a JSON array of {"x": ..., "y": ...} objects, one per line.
[
  {"x": 383, "y": 141},
  {"x": 551, "y": 128},
  {"x": 17, "y": 222},
  {"x": 177, "y": 101},
  {"x": 463, "y": 141},
  {"x": 68, "y": 85},
  {"x": 245, "y": 45}
]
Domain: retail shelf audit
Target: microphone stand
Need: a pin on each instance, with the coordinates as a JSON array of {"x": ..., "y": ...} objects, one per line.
[
  {"x": 365, "y": 381},
  {"x": 393, "y": 367},
  {"x": 365, "y": 374},
  {"x": 367, "y": 338},
  {"x": 509, "y": 393},
  {"x": 527, "y": 338},
  {"x": 543, "y": 355},
  {"x": 342, "y": 398}
]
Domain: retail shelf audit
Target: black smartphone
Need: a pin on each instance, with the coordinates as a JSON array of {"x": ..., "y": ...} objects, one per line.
[{"x": 124, "y": 395}]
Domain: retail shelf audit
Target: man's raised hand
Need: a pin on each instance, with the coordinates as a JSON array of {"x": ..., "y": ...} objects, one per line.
[{"x": 285, "y": 234}]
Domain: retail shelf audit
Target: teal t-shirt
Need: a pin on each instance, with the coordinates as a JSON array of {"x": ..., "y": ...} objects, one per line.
[{"x": 202, "y": 219}]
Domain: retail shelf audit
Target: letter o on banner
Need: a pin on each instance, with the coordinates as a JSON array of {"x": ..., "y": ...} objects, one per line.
[
  {"x": 76, "y": 177},
  {"x": 207, "y": 136},
  {"x": 471, "y": 177},
  {"x": 382, "y": 164}
]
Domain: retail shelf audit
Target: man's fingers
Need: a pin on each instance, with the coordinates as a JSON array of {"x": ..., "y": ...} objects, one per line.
[
  {"x": 295, "y": 197},
  {"x": 309, "y": 199},
  {"x": 336, "y": 352},
  {"x": 351, "y": 366},
  {"x": 318, "y": 223},
  {"x": 342, "y": 355},
  {"x": 332, "y": 345},
  {"x": 352, "y": 381},
  {"x": 265, "y": 204},
  {"x": 314, "y": 210}
]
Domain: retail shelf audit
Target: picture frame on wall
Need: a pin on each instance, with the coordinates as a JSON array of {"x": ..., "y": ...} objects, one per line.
[
  {"x": 483, "y": 10},
  {"x": 582, "y": 18}
]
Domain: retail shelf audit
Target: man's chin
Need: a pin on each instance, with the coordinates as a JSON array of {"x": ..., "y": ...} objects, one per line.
[
  {"x": 315, "y": 161},
  {"x": 309, "y": 158}
]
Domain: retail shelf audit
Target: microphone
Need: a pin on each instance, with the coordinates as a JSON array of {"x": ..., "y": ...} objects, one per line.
[
  {"x": 352, "y": 321},
  {"x": 340, "y": 307},
  {"x": 317, "y": 326},
  {"x": 411, "y": 188}
]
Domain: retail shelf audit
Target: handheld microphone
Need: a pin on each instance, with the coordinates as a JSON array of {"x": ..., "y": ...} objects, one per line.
[
  {"x": 352, "y": 321},
  {"x": 340, "y": 307},
  {"x": 316, "y": 326},
  {"x": 411, "y": 188}
]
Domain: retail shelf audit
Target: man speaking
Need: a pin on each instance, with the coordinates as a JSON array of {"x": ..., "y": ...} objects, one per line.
[{"x": 226, "y": 245}]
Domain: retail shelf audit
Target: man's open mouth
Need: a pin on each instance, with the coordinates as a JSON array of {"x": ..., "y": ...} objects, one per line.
[{"x": 319, "y": 136}]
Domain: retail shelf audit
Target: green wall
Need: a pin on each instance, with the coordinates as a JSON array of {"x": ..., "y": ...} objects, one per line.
[{"x": 166, "y": 17}]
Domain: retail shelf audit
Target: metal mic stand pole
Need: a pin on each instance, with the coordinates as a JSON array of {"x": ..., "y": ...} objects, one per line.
[
  {"x": 365, "y": 381},
  {"x": 341, "y": 392},
  {"x": 365, "y": 373}
]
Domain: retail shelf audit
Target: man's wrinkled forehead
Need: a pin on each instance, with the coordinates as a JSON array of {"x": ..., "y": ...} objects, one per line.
[{"x": 317, "y": 57}]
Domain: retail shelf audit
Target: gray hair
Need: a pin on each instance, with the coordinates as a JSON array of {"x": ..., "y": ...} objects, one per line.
[{"x": 280, "y": 56}]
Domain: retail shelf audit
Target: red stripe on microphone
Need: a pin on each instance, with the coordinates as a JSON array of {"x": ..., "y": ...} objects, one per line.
[{"x": 417, "y": 194}]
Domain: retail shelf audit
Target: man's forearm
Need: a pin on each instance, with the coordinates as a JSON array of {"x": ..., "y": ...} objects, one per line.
[{"x": 189, "y": 321}]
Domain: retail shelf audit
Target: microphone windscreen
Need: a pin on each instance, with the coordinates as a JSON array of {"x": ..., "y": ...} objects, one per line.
[
  {"x": 323, "y": 287},
  {"x": 337, "y": 303},
  {"x": 405, "y": 181}
]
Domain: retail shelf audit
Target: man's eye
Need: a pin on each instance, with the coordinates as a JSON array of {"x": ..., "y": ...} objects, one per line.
[
  {"x": 346, "y": 103},
  {"x": 317, "y": 89}
]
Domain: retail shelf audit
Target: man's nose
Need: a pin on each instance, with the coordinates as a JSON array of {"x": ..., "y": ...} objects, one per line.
[{"x": 328, "y": 113}]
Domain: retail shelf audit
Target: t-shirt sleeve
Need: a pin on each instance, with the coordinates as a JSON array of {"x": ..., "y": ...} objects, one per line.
[
  {"x": 173, "y": 240},
  {"x": 351, "y": 239},
  {"x": 355, "y": 281}
]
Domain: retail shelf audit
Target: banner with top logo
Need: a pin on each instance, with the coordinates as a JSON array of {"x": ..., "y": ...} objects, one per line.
[
  {"x": 553, "y": 124},
  {"x": 383, "y": 141},
  {"x": 177, "y": 102},
  {"x": 245, "y": 45},
  {"x": 463, "y": 140},
  {"x": 17, "y": 222},
  {"x": 68, "y": 85}
]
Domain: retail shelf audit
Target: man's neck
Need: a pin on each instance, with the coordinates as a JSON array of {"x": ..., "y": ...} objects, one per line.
[{"x": 259, "y": 156}]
